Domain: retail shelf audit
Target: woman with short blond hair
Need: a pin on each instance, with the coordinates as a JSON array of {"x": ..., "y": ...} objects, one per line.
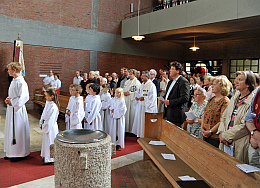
[{"x": 214, "y": 110}]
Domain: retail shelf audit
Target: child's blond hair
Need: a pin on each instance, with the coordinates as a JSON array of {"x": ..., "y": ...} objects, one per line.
[{"x": 120, "y": 90}]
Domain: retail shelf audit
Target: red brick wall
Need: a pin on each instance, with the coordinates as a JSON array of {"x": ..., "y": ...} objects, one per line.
[
  {"x": 110, "y": 62},
  {"x": 66, "y": 12},
  {"x": 111, "y": 13},
  {"x": 71, "y": 60}
]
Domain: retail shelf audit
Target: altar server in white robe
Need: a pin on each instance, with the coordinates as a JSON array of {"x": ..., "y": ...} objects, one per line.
[
  {"x": 17, "y": 137},
  {"x": 93, "y": 119},
  {"x": 131, "y": 86},
  {"x": 67, "y": 118},
  {"x": 77, "y": 113},
  {"x": 118, "y": 110},
  {"x": 105, "y": 101},
  {"x": 87, "y": 105},
  {"x": 146, "y": 102},
  {"x": 48, "y": 124}
]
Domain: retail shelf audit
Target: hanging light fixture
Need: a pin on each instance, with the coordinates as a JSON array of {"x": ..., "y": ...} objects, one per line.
[
  {"x": 138, "y": 37},
  {"x": 194, "y": 48}
]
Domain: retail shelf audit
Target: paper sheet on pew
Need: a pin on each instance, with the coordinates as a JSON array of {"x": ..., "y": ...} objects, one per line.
[
  {"x": 157, "y": 143},
  {"x": 137, "y": 94},
  {"x": 229, "y": 150},
  {"x": 191, "y": 115},
  {"x": 161, "y": 98},
  {"x": 248, "y": 168},
  {"x": 168, "y": 156},
  {"x": 187, "y": 178}
]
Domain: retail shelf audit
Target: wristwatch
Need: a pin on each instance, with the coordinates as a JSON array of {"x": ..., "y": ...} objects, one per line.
[
  {"x": 253, "y": 131},
  {"x": 211, "y": 132}
]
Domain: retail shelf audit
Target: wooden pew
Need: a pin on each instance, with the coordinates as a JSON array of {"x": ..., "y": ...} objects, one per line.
[
  {"x": 40, "y": 100},
  {"x": 194, "y": 157}
]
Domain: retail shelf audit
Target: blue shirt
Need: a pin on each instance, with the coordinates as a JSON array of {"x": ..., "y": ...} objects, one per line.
[{"x": 250, "y": 115}]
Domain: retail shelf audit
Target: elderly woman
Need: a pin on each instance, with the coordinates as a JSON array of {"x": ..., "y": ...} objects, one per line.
[
  {"x": 198, "y": 108},
  {"x": 208, "y": 86},
  {"x": 193, "y": 85},
  {"x": 232, "y": 129},
  {"x": 214, "y": 110}
]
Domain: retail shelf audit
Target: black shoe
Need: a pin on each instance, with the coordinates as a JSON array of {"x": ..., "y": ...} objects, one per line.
[
  {"x": 48, "y": 163},
  {"x": 16, "y": 159},
  {"x": 118, "y": 147},
  {"x": 6, "y": 158}
]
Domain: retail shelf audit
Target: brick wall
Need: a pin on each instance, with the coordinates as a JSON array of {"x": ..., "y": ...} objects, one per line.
[
  {"x": 61, "y": 12},
  {"x": 109, "y": 62},
  {"x": 70, "y": 60},
  {"x": 111, "y": 13}
]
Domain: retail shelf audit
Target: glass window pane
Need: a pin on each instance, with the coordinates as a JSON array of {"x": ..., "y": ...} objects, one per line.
[
  {"x": 187, "y": 64},
  {"x": 240, "y": 62},
  {"x": 233, "y": 75},
  {"x": 233, "y": 62},
  {"x": 247, "y": 62},
  {"x": 254, "y": 69},
  {"x": 255, "y": 62},
  {"x": 246, "y": 68},
  {"x": 233, "y": 69}
]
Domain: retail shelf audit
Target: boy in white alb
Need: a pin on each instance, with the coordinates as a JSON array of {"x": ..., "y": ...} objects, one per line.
[
  {"x": 87, "y": 105},
  {"x": 77, "y": 113},
  {"x": 118, "y": 110},
  {"x": 48, "y": 123},
  {"x": 105, "y": 101},
  {"x": 93, "y": 119},
  {"x": 67, "y": 118}
]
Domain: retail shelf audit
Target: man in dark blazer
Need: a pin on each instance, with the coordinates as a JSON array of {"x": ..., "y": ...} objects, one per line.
[
  {"x": 176, "y": 96},
  {"x": 153, "y": 74}
]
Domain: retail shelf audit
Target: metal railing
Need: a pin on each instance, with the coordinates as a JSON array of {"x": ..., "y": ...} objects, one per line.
[{"x": 164, "y": 5}]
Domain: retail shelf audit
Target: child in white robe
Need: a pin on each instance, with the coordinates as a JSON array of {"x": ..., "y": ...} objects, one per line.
[
  {"x": 67, "y": 118},
  {"x": 118, "y": 110},
  {"x": 93, "y": 119},
  {"x": 48, "y": 123},
  {"x": 87, "y": 105},
  {"x": 77, "y": 113},
  {"x": 105, "y": 101}
]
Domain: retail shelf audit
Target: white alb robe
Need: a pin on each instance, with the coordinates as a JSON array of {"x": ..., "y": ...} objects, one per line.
[
  {"x": 50, "y": 128},
  {"x": 87, "y": 109},
  {"x": 77, "y": 113},
  {"x": 67, "y": 118},
  {"x": 93, "y": 118},
  {"x": 110, "y": 117},
  {"x": 148, "y": 91},
  {"x": 131, "y": 86},
  {"x": 19, "y": 95},
  {"x": 118, "y": 120},
  {"x": 105, "y": 101}
]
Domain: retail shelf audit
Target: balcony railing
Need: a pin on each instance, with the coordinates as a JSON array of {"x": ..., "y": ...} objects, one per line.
[{"x": 164, "y": 5}]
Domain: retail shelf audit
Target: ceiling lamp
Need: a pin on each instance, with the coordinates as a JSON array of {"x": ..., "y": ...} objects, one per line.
[
  {"x": 194, "y": 48},
  {"x": 138, "y": 37}
]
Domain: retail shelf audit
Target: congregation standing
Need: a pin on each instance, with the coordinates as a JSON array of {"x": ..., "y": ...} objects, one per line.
[{"x": 117, "y": 104}]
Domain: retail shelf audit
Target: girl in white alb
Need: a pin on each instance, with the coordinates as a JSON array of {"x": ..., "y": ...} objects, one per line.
[
  {"x": 105, "y": 101},
  {"x": 93, "y": 119},
  {"x": 118, "y": 110},
  {"x": 48, "y": 123},
  {"x": 67, "y": 118}
]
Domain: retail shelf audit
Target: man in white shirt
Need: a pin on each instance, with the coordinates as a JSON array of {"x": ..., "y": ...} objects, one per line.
[
  {"x": 47, "y": 80},
  {"x": 77, "y": 79}
]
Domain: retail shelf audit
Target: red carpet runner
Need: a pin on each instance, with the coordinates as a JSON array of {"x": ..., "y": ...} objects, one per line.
[{"x": 31, "y": 168}]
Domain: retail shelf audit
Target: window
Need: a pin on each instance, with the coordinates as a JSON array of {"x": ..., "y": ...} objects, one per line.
[
  {"x": 213, "y": 67},
  {"x": 242, "y": 65}
]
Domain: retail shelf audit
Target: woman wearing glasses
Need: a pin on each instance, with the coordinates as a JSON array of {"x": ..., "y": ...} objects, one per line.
[{"x": 198, "y": 107}]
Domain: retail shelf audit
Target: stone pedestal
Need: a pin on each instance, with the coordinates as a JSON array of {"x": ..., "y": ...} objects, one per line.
[{"x": 83, "y": 165}]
